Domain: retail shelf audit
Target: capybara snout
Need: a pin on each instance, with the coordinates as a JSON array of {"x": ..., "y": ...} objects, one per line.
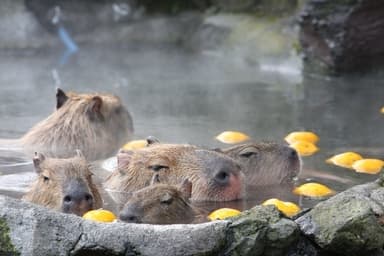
[
  {"x": 220, "y": 171},
  {"x": 266, "y": 163},
  {"x": 77, "y": 198}
]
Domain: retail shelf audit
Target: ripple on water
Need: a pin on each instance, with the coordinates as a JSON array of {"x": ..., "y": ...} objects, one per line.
[{"x": 17, "y": 182}]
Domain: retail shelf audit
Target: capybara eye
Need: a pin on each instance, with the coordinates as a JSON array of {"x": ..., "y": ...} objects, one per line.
[
  {"x": 157, "y": 167},
  {"x": 166, "y": 199},
  {"x": 248, "y": 154},
  {"x": 45, "y": 178}
]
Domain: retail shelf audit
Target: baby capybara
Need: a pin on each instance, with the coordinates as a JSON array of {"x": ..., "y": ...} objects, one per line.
[
  {"x": 215, "y": 177},
  {"x": 97, "y": 124},
  {"x": 161, "y": 204},
  {"x": 64, "y": 184},
  {"x": 266, "y": 163}
]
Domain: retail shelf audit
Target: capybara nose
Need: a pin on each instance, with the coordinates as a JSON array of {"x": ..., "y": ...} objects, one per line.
[
  {"x": 222, "y": 177},
  {"x": 77, "y": 202},
  {"x": 291, "y": 153},
  {"x": 129, "y": 216}
]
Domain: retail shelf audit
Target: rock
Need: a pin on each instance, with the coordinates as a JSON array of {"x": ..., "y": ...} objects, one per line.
[
  {"x": 342, "y": 36},
  {"x": 33, "y": 230},
  {"x": 350, "y": 223},
  {"x": 37, "y": 231},
  {"x": 261, "y": 231}
]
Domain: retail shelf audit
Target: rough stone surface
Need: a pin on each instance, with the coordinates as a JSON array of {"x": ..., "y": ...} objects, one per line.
[
  {"x": 339, "y": 36},
  {"x": 261, "y": 231},
  {"x": 350, "y": 223},
  {"x": 37, "y": 231},
  {"x": 34, "y": 230}
]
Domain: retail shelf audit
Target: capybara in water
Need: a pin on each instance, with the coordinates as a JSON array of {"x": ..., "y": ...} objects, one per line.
[
  {"x": 215, "y": 177},
  {"x": 161, "y": 204},
  {"x": 266, "y": 163},
  {"x": 64, "y": 184},
  {"x": 97, "y": 124}
]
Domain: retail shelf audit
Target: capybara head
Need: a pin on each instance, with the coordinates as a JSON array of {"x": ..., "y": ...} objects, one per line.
[
  {"x": 215, "y": 177},
  {"x": 64, "y": 184},
  {"x": 160, "y": 204},
  {"x": 266, "y": 163},
  {"x": 97, "y": 124}
]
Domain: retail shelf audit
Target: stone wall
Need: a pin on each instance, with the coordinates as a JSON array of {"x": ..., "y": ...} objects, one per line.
[{"x": 350, "y": 223}]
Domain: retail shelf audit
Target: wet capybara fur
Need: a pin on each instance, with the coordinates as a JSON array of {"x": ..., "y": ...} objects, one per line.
[
  {"x": 215, "y": 177},
  {"x": 266, "y": 163},
  {"x": 96, "y": 124},
  {"x": 64, "y": 185},
  {"x": 162, "y": 204}
]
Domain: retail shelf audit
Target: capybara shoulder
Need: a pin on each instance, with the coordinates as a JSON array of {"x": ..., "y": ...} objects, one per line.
[
  {"x": 64, "y": 185},
  {"x": 215, "y": 176},
  {"x": 161, "y": 204},
  {"x": 266, "y": 163},
  {"x": 96, "y": 124}
]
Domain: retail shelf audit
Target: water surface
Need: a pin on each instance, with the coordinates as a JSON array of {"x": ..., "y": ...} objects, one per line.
[{"x": 189, "y": 97}]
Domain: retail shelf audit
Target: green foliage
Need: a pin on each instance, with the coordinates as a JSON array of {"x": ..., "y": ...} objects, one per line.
[{"x": 6, "y": 246}]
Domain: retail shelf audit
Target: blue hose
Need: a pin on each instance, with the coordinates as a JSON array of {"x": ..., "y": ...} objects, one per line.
[{"x": 71, "y": 46}]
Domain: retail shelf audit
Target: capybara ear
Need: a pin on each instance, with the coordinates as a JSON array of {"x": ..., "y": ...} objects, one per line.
[
  {"x": 96, "y": 104},
  {"x": 123, "y": 159},
  {"x": 152, "y": 140},
  {"x": 186, "y": 188},
  {"x": 79, "y": 153},
  {"x": 61, "y": 98},
  {"x": 37, "y": 160},
  {"x": 155, "y": 179}
]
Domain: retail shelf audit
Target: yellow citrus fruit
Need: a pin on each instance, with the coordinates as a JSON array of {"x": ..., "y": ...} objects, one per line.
[
  {"x": 344, "y": 159},
  {"x": 313, "y": 189},
  {"x": 100, "y": 215},
  {"x": 288, "y": 208},
  {"x": 304, "y": 148},
  {"x": 135, "y": 144},
  {"x": 223, "y": 213},
  {"x": 232, "y": 137},
  {"x": 382, "y": 110},
  {"x": 370, "y": 166},
  {"x": 302, "y": 136}
]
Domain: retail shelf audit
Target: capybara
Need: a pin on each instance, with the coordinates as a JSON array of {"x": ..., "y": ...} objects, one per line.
[
  {"x": 64, "y": 184},
  {"x": 97, "y": 124},
  {"x": 215, "y": 177},
  {"x": 266, "y": 163},
  {"x": 161, "y": 204}
]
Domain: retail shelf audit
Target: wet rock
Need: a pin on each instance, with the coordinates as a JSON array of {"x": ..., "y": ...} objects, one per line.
[
  {"x": 37, "y": 231},
  {"x": 261, "y": 231},
  {"x": 350, "y": 223},
  {"x": 342, "y": 36},
  {"x": 34, "y": 230}
]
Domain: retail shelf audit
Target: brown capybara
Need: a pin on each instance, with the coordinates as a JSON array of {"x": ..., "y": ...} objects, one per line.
[
  {"x": 215, "y": 177},
  {"x": 266, "y": 163},
  {"x": 97, "y": 124},
  {"x": 64, "y": 184},
  {"x": 161, "y": 204}
]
